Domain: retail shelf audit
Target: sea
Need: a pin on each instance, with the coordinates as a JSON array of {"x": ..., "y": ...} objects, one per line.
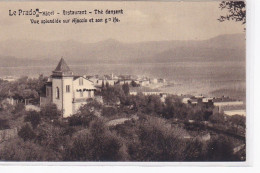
[{"x": 211, "y": 79}]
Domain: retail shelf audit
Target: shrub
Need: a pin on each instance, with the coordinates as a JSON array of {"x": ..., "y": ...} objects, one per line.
[
  {"x": 157, "y": 141},
  {"x": 26, "y": 133},
  {"x": 238, "y": 120},
  {"x": 217, "y": 118},
  {"x": 97, "y": 145},
  {"x": 221, "y": 149},
  {"x": 109, "y": 111},
  {"x": 194, "y": 150},
  {"x": 18, "y": 108},
  {"x": 4, "y": 124},
  {"x": 50, "y": 111},
  {"x": 34, "y": 118},
  {"x": 79, "y": 120},
  {"x": 18, "y": 150},
  {"x": 51, "y": 136}
]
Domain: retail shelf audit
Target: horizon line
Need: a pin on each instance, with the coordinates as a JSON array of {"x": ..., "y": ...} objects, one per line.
[{"x": 113, "y": 39}]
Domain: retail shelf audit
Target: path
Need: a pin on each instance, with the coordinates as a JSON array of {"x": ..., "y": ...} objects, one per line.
[{"x": 120, "y": 120}]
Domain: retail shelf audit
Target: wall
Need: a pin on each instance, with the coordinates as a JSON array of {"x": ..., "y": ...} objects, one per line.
[
  {"x": 57, "y": 83},
  {"x": 86, "y": 85},
  {"x": 67, "y": 96},
  {"x": 64, "y": 102},
  {"x": 78, "y": 100}
]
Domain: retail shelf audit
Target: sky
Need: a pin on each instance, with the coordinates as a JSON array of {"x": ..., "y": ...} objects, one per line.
[{"x": 141, "y": 21}]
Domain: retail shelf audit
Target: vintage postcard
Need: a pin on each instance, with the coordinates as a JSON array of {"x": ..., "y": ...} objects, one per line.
[{"x": 123, "y": 81}]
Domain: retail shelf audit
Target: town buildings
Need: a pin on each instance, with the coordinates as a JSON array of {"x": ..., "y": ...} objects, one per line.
[{"x": 223, "y": 104}]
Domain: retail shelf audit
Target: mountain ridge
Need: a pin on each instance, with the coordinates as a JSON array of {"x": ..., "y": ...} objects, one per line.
[{"x": 32, "y": 52}]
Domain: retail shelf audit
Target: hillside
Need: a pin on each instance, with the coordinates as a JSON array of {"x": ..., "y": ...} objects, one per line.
[{"x": 31, "y": 52}]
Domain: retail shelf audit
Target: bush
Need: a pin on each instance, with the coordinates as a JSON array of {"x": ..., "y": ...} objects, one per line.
[
  {"x": 194, "y": 150},
  {"x": 109, "y": 111},
  {"x": 80, "y": 120},
  {"x": 18, "y": 108},
  {"x": 18, "y": 150},
  {"x": 50, "y": 111},
  {"x": 217, "y": 118},
  {"x": 97, "y": 145},
  {"x": 26, "y": 133},
  {"x": 34, "y": 118},
  {"x": 174, "y": 108},
  {"x": 221, "y": 149},
  {"x": 238, "y": 120},
  {"x": 51, "y": 136},
  {"x": 157, "y": 141},
  {"x": 4, "y": 124}
]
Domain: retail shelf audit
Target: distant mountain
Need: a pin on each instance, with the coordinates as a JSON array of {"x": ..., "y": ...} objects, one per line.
[{"x": 31, "y": 52}]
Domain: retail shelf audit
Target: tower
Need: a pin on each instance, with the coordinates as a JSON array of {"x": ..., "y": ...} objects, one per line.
[{"x": 62, "y": 83}]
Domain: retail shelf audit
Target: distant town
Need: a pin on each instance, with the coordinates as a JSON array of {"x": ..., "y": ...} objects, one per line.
[{"x": 150, "y": 86}]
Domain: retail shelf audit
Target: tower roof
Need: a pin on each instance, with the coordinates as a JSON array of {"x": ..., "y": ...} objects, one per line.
[
  {"x": 62, "y": 69},
  {"x": 62, "y": 66}
]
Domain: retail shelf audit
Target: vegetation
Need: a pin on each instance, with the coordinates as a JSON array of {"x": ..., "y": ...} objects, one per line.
[
  {"x": 160, "y": 131},
  {"x": 236, "y": 11},
  {"x": 23, "y": 88}
]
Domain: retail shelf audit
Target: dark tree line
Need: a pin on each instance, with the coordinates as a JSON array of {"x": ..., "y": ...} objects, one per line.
[{"x": 236, "y": 11}]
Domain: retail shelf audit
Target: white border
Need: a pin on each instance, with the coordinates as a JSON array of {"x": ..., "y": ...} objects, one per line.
[{"x": 251, "y": 78}]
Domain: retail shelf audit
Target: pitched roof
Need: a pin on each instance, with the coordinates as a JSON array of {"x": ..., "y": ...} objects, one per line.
[{"x": 62, "y": 66}]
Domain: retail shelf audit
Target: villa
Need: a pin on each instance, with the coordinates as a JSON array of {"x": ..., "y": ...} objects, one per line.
[{"x": 68, "y": 91}]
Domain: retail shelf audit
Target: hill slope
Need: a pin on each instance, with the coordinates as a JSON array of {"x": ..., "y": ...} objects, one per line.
[{"x": 31, "y": 52}]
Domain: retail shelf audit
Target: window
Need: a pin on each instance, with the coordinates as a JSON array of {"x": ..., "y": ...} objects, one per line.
[
  {"x": 47, "y": 92},
  {"x": 80, "y": 81},
  {"x": 67, "y": 88},
  {"x": 81, "y": 94},
  {"x": 89, "y": 94},
  {"x": 57, "y": 93}
]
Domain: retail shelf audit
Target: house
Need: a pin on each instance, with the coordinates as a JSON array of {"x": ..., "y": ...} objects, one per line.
[
  {"x": 68, "y": 91},
  {"x": 154, "y": 81},
  {"x": 160, "y": 80},
  {"x": 235, "y": 112},
  {"x": 125, "y": 81},
  {"x": 103, "y": 80},
  {"x": 144, "y": 83}
]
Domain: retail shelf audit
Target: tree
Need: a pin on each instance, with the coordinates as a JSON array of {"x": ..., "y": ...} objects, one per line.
[
  {"x": 109, "y": 111},
  {"x": 154, "y": 105},
  {"x": 236, "y": 11},
  {"x": 34, "y": 118},
  {"x": 99, "y": 144},
  {"x": 113, "y": 94},
  {"x": 50, "y": 111},
  {"x": 125, "y": 88},
  {"x": 221, "y": 149},
  {"x": 18, "y": 150},
  {"x": 26, "y": 133},
  {"x": 107, "y": 84},
  {"x": 237, "y": 121},
  {"x": 4, "y": 124},
  {"x": 157, "y": 141},
  {"x": 86, "y": 114},
  {"x": 134, "y": 84},
  {"x": 18, "y": 108},
  {"x": 103, "y": 85},
  {"x": 174, "y": 108},
  {"x": 217, "y": 118}
]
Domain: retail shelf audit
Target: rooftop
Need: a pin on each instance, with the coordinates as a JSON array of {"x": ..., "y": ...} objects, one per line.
[{"x": 62, "y": 69}]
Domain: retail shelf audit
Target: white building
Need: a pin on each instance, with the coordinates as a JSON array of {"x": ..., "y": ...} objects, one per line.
[
  {"x": 67, "y": 91},
  {"x": 235, "y": 112},
  {"x": 154, "y": 81}
]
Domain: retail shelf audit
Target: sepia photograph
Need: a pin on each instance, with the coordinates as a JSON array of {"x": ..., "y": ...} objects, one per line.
[{"x": 123, "y": 81}]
